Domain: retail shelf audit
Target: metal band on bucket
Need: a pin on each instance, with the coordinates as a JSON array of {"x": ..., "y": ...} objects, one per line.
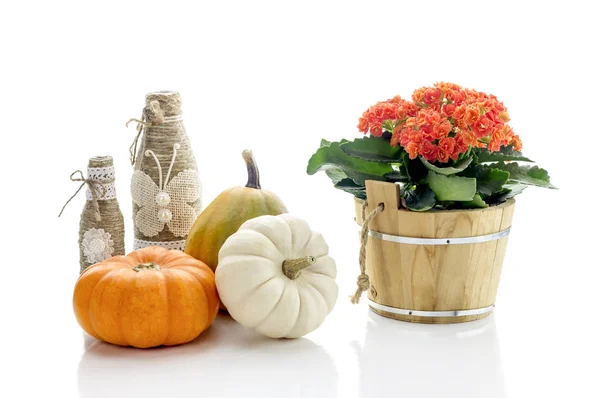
[
  {"x": 430, "y": 314},
  {"x": 439, "y": 241}
]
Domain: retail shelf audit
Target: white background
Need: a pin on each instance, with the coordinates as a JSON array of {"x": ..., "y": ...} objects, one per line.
[{"x": 276, "y": 77}]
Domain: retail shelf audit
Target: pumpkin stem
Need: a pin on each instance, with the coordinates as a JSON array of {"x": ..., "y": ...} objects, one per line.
[
  {"x": 292, "y": 268},
  {"x": 253, "y": 176},
  {"x": 146, "y": 266}
]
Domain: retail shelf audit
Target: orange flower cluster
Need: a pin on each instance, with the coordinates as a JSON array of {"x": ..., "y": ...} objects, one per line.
[
  {"x": 393, "y": 109},
  {"x": 441, "y": 122}
]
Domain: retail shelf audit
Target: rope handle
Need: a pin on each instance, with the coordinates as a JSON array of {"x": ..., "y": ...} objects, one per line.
[{"x": 362, "y": 281}]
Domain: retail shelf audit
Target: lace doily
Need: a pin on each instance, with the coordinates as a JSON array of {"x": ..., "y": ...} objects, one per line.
[
  {"x": 170, "y": 245},
  {"x": 97, "y": 245}
]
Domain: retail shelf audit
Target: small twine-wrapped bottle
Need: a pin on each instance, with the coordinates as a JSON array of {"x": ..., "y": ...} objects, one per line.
[
  {"x": 165, "y": 186},
  {"x": 101, "y": 229}
]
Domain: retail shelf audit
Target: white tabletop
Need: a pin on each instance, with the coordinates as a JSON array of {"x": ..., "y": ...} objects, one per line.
[{"x": 525, "y": 348}]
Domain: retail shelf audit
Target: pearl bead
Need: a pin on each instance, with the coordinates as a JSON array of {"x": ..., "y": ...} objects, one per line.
[
  {"x": 163, "y": 199},
  {"x": 165, "y": 215}
]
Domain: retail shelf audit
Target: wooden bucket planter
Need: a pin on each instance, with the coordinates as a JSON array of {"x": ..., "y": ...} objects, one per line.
[{"x": 435, "y": 266}]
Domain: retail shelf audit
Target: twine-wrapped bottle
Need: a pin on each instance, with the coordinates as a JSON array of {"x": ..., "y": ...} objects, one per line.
[
  {"x": 101, "y": 229},
  {"x": 165, "y": 186}
]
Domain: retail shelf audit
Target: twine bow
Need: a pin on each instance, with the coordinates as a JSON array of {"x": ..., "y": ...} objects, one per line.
[
  {"x": 363, "y": 279},
  {"x": 94, "y": 186},
  {"x": 140, "y": 129},
  {"x": 151, "y": 115}
]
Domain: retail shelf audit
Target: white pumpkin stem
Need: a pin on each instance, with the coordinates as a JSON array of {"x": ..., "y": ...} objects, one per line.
[
  {"x": 253, "y": 176},
  {"x": 292, "y": 268},
  {"x": 146, "y": 267}
]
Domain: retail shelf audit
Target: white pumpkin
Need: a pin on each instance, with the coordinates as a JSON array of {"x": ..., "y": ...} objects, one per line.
[{"x": 275, "y": 275}]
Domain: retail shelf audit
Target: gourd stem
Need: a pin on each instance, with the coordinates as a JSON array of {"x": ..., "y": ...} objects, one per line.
[
  {"x": 253, "y": 176},
  {"x": 146, "y": 267},
  {"x": 292, "y": 268}
]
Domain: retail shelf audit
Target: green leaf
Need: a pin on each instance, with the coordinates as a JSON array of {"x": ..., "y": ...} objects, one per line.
[
  {"x": 331, "y": 158},
  {"x": 396, "y": 176},
  {"x": 348, "y": 185},
  {"x": 509, "y": 191},
  {"x": 476, "y": 203},
  {"x": 529, "y": 175},
  {"x": 324, "y": 142},
  {"x": 372, "y": 148},
  {"x": 465, "y": 155},
  {"x": 506, "y": 153},
  {"x": 418, "y": 197},
  {"x": 489, "y": 180},
  {"x": 451, "y": 187},
  {"x": 456, "y": 168},
  {"x": 414, "y": 168},
  {"x": 335, "y": 174}
]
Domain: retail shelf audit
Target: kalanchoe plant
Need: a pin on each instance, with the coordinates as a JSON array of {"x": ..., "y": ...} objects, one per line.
[{"x": 449, "y": 147}]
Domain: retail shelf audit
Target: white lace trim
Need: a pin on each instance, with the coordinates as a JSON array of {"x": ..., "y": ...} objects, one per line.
[
  {"x": 170, "y": 245},
  {"x": 103, "y": 178},
  {"x": 107, "y": 192},
  {"x": 101, "y": 173}
]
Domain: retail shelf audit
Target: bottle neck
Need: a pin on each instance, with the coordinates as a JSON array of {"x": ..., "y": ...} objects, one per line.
[
  {"x": 101, "y": 173},
  {"x": 165, "y": 103}
]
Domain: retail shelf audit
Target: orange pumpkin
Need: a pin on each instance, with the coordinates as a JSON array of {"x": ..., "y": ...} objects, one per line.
[{"x": 148, "y": 298}]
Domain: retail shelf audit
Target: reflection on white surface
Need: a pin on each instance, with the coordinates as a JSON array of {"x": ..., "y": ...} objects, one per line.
[
  {"x": 226, "y": 360},
  {"x": 416, "y": 360}
]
